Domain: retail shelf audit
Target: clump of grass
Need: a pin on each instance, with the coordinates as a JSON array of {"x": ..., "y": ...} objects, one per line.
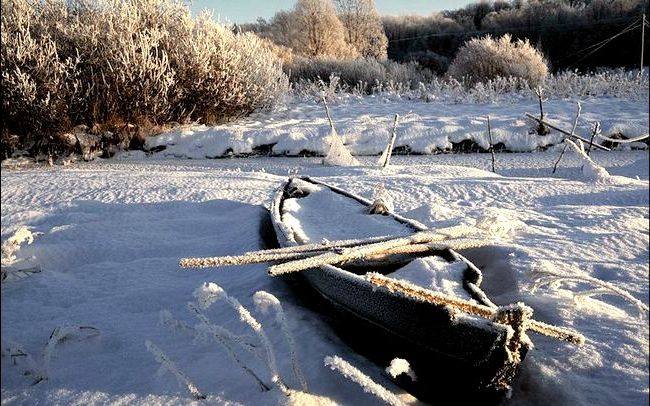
[
  {"x": 546, "y": 275},
  {"x": 40, "y": 371},
  {"x": 206, "y": 296}
]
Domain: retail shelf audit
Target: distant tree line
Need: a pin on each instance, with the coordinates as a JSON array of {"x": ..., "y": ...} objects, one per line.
[
  {"x": 571, "y": 34},
  {"x": 567, "y": 32}
]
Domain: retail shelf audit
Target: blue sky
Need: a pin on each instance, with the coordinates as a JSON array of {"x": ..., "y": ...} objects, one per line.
[{"x": 243, "y": 11}]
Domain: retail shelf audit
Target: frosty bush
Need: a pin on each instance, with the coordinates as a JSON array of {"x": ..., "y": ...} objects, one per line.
[
  {"x": 126, "y": 61},
  {"x": 38, "y": 83},
  {"x": 630, "y": 85},
  {"x": 483, "y": 59},
  {"x": 363, "y": 75}
]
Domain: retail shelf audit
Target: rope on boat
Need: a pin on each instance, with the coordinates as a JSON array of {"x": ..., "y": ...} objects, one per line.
[{"x": 425, "y": 295}]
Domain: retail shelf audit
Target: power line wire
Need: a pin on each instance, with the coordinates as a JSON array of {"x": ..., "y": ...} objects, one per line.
[
  {"x": 607, "y": 41},
  {"x": 511, "y": 29}
]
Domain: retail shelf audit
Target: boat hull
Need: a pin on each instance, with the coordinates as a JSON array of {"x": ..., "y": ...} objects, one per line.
[{"x": 454, "y": 356}]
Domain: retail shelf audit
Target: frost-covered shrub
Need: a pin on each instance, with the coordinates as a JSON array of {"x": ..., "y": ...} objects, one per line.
[
  {"x": 38, "y": 83},
  {"x": 362, "y": 75},
  {"x": 126, "y": 61},
  {"x": 612, "y": 83},
  {"x": 483, "y": 59},
  {"x": 221, "y": 74},
  {"x": 436, "y": 63}
]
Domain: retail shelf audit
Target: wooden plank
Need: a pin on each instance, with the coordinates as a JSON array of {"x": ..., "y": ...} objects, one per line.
[{"x": 567, "y": 133}]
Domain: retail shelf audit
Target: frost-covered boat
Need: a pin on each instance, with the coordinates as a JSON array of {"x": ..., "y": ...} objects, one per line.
[{"x": 453, "y": 354}]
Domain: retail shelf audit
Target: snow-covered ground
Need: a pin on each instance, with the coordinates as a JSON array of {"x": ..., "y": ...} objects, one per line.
[
  {"x": 365, "y": 126},
  {"x": 108, "y": 236}
]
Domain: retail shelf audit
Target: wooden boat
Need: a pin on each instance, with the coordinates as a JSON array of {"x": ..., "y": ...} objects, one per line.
[{"x": 455, "y": 356}]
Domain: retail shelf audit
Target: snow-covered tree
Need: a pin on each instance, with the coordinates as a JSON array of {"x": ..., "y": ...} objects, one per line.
[
  {"x": 319, "y": 32},
  {"x": 363, "y": 27}
]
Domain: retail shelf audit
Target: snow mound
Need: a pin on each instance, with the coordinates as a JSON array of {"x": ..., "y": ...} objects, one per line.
[
  {"x": 436, "y": 274},
  {"x": 338, "y": 154},
  {"x": 500, "y": 223},
  {"x": 399, "y": 366}
]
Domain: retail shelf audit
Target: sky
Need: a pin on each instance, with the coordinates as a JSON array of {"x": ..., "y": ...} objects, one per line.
[{"x": 244, "y": 11}]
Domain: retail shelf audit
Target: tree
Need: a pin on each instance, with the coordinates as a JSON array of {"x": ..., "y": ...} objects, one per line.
[
  {"x": 363, "y": 27},
  {"x": 319, "y": 32}
]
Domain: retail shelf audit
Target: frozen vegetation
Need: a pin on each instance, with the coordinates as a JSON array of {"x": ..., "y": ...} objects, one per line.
[{"x": 434, "y": 118}]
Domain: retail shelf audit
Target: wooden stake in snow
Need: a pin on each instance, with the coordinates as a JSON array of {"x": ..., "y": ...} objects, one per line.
[
  {"x": 338, "y": 154},
  {"x": 429, "y": 296},
  {"x": 327, "y": 111},
  {"x": 491, "y": 144},
  {"x": 575, "y": 123},
  {"x": 541, "y": 128},
  {"x": 384, "y": 159},
  {"x": 568, "y": 133},
  {"x": 595, "y": 130},
  {"x": 642, "y": 43}
]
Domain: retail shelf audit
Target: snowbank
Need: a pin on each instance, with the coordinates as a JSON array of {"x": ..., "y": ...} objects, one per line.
[{"x": 425, "y": 128}]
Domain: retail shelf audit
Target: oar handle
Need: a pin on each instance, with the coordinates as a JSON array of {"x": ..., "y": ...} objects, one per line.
[{"x": 429, "y": 296}]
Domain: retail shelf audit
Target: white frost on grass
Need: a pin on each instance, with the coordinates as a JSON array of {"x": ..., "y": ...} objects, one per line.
[
  {"x": 168, "y": 365},
  {"x": 210, "y": 292},
  {"x": 343, "y": 367},
  {"x": 265, "y": 301},
  {"x": 41, "y": 371},
  {"x": 12, "y": 244},
  {"x": 545, "y": 274}
]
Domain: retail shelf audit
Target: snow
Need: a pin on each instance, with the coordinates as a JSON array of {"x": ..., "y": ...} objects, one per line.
[
  {"x": 364, "y": 126},
  {"x": 436, "y": 274},
  {"x": 310, "y": 217},
  {"x": 109, "y": 234},
  {"x": 400, "y": 366}
]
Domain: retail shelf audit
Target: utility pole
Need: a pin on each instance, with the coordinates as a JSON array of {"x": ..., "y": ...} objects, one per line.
[{"x": 642, "y": 39}]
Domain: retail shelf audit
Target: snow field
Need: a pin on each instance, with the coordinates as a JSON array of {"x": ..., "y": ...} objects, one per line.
[{"x": 113, "y": 232}]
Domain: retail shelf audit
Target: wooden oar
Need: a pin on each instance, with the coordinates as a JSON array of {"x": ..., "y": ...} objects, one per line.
[
  {"x": 429, "y": 296},
  {"x": 300, "y": 251},
  {"x": 360, "y": 252},
  {"x": 263, "y": 256}
]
